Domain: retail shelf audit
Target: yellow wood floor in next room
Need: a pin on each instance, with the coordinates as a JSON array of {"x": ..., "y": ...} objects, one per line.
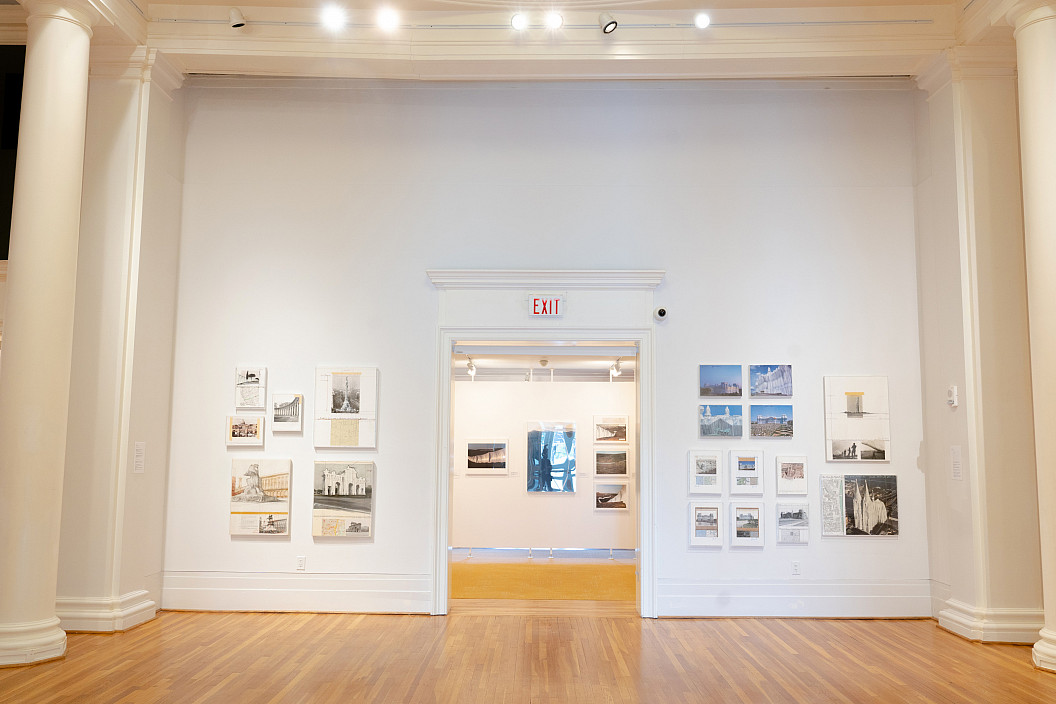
[{"x": 494, "y": 575}]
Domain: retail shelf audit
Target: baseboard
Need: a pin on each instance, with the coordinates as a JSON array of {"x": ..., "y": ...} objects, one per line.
[
  {"x": 353, "y": 593},
  {"x": 992, "y": 625},
  {"x": 940, "y": 594},
  {"x": 843, "y": 599},
  {"x": 105, "y": 614}
]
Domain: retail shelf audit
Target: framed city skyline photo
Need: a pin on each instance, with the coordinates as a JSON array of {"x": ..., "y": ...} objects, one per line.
[
  {"x": 720, "y": 380},
  {"x": 287, "y": 413},
  {"x": 705, "y": 523},
  {"x": 721, "y": 420},
  {"x": 260, "y": 497},
  {"x": 610, "y": 429},
  {"x": 245, "y": 431},
  {"x": 705, "y": 471},
  {"x": 487, "y": 457}
]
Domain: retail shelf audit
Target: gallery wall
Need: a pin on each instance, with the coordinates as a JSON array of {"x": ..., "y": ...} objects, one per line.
[{"x": 782, "y": 213}]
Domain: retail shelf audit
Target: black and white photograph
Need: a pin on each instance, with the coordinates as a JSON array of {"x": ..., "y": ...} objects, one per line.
[
  {"x": 705, "y": 521},
  {"x": 486, "y": 457},
  {"x": 705, "y": 471},
  {"x": 747, "y": 521},
  {"x": 342, "y": 505},
  {"x": 870, "y": 504},
  {"x": 260, "y": 497},
  {"x": 610, "y": 429},
  {"x": 610, "y": 462},
  {"x": 287, "y": 413},
  {"x": 859, "y": 450},
  {"x": 346, "y": 407},
  {"x": 792, "y": 524},
  {"x": 344, "y": 392},
  {"x": 250, "y": 385},
  {"x": 610, "y": 497}
]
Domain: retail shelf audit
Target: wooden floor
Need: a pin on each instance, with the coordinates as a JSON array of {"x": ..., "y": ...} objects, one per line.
[{"x": 477, "y": 655}]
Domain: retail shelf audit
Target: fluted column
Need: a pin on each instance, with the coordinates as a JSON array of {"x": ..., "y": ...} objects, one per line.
[{"x": 38, "y": 326}]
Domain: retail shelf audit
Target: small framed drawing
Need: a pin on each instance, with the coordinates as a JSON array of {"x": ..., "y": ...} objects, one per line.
[
  {"x": 245, "y": 431},
  {"x": 793, "y": 528},
  {"x": 487, "y": 457},
  {"x": 747, "y": 520},
  {"x": 610, "y": 462},
  {"x": 287, "y": 413},
  {"x": 610, "y": 429},
  {"x": 746, "y": 472},
  {"x": 791, "y": 475},
  {"x": 250, "y": 385},
  {"x": 705, "y": 471},
  {"x": 610, "y": 497},
  {"x": 260, "y": 497},
  {"x": 705, "y": 523}
]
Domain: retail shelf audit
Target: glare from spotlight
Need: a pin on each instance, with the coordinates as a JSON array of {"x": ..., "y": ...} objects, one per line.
[
  {"x": 702, "y": 20},
  {"x": 554, "y": 20},
  {"x": 334, "y": 17},
  {"x": 519, "y": 21},
  {"x": 607, "y": 23},
  {"x": 388, "y": 20}
]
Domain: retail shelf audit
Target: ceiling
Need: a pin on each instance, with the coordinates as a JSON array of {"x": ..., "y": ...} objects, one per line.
[{"x": 544, "y": 361}]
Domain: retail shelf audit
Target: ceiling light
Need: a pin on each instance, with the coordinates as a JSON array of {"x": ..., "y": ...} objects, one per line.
[
  {"x": 472, "y": 368},
  {"x": 236, "y": 20},
  {"x": 388, "y": 20},
  {"x": 333, "y": 17},
  {"x": 554, "y": 20},
  {"x": 615, "y": 370},
  {"x": 702, "y": 20},
  {"x": 607, "y": 23},
  {"x": 519, "y": 21}
]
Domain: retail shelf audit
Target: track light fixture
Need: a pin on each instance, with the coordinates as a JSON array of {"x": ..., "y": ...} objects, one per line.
[
  {"x": 333, "y": 17},
  {"x": 387, "y": 19},
  {"x": 472, "y": 368},
  {"x": 235, "y": 18},
  {"x": 702, "y": 20},
  {"x": 607, "y": 23},
  {"x": 554, "y": 20},
  {"x": 519, "y": 21},
  {"x": 615, "y": 369}
]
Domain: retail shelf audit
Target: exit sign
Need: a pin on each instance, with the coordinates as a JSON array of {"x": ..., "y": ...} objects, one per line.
[{"x": 547, "y": 305}]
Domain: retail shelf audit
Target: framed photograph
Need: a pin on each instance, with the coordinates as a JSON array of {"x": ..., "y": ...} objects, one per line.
[
  {"x": 245, "y": 431},
  {"x": 343, "y": 502},
  {"x": 705, "y": 471},
  {"x": 793, "y": 528},
  {"x": 746, "y": 472},
  {"x": 771, "y": 421},
  {"x": 250, "y": 385},
  {"x": 611, "y": 497},
  {"x": 857, "y": 419},
  {"x": 551, "y": 457},
  {"x": 610, "y": 463},
  {"x": 720, "y": 380},
  {"x": 346, "y": 407},
  {"x": 260, "y": 497},
  {"x": 859, "y": 504},
  {"x": 747, "y": 520},
  {"x": 610, "y": 429},
  {"x": 719, "y": 420},
  {"x": 287, "y": 413},
  {"x": 705, "y": 521},
  {"x": 774, "y": 380},
  {"x": 487, "y": 457},
  {"x": 791, "y": 474}
]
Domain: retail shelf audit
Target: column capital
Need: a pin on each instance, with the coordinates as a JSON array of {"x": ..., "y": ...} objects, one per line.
[
  {"x": 1019, "y": 13},
  {"x": 84, "y": 13}
]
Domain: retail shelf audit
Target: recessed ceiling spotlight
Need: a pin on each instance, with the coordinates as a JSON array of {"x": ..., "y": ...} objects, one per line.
[
  {"x": 554, "y": 20},
  {"x": 235, "y": 18},
  {"x": 470, "y": 367},
  {"x": 607, "y": 23},
  {"x": 333, "y": 17},
  {"x": 388, "y": 20},
  {"x": 519, "y": 21},
  {"x": 702, "y": 20}
]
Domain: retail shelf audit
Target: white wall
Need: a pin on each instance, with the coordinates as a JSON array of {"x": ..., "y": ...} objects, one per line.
[
  {"x": 783, "y": 214},
  {"x": 498, "y": 511}
]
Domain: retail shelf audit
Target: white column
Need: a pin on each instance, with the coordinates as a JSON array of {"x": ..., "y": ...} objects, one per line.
[
  {"x": 1035, "y": 32},
  {"x": 38, "y": 328}
]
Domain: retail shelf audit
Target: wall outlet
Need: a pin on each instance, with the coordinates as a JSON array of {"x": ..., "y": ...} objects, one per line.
[
  {"x": 795, "y": 568},
  {"x": 302, "y": 561}
]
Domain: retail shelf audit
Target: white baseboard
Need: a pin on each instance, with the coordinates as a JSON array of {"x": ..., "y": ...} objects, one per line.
[
  {"x": 31, "y": 641},
  {"x": 844, "y": 599},
  {"x": 992, "y": 625},
  {"x": 353, "y": 593},
  {"x": 105, "y": 614}
]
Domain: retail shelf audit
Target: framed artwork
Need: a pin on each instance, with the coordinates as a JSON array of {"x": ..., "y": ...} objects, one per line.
[
  {"x": 551, "y": 457},
  {"x": 346, "y": 407},
  {"x": 859, "y": 504},
  {"x": 610, "y": 463},
  {"x": 774, "y": 380},
  {"x": 746, "y": 472},
  {"x": 487, "y": 457},
  {"x": 343, "y": 501},
  {"x": 705, "y": 471},
  {"x": 793, "y": 528},
  {"x": 611, "y": 497},
  {"x": 771, "y": 421},
  {"x": 719, "y": 420},
  {"x": 245, "y": 431},
  {"x": 791, "y": 474},
  {"x": 720, "y": 380},
  {"x": 705, "y": 521},
  {"x": 260, "y": 497},
  {"x": 287, "y": 413},
  {"x": 610, "y": 429},
  {"x": 857, "y": 419},
  {"x": 250, "y": 385},
  {"x": 747, "y": 520}
]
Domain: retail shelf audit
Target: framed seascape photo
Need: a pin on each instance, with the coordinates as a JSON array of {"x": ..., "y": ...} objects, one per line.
[
  {"x": 610, "y": 497},
  {"x": 771, "y": 421},
  {"x": 551, "y": 457},
  {"x": 791, "y": 475},
  {"x": 746, "y": 472},
  {"x": 246, "y": 431},
  {"x": 610, "y": 463},
  {"x": 705, "y": 471},
  {"x": 610, "y": 429},
  {"x": 720, "y": 380},
  {"x": 346, "y": 407},
  {"x": 250, "y": 385},
  {"x": 719, "y": 420},
  {"x": 857, "y": 419},
  {"x": 260, "y": 497},
  {"x": 792, "y": 524},
  {"x": 287, "y": 413},
  {"x": 859, "y": 504},
  {"x": 487, "y": 457},
  {"x": 747, "y": 519},
  {"x": 343, "y": 502},
  {"x": 705, "y": 521},
  {"x": 774, "y": 380}
]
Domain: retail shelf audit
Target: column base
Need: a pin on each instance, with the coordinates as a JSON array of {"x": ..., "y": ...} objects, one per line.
[
  {"x": 1045, "y": 651},
  {"x": 35, "y": 641},
  {"x": 991, "y": 625}
]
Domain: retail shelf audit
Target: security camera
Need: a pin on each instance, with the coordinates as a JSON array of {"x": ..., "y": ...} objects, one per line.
[
  {"x": 660, "y": 313},
  {"x": 235, "y": 18}
]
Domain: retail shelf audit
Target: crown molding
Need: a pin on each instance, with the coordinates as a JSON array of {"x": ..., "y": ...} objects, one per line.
[
  {"x": 135, "y": 63},
  {"x": 967, "y": 63},
  {"x": 452, "y": 279}
]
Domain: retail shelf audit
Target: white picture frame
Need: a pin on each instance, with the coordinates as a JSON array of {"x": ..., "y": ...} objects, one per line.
[
  {"x": 251, "y": 386},
  {"x": 245, "y": 430},
  {"x": 612, "y": 497},
  {"x": 706, "y": 524},
  {"x": 611, "y": 462},
  {"x": 746, "y": 472},
  {"x": 790, "y": 474},
  {"x": 612, "y": 429},
  {"x": 707, "y": 472},
  {"x": 287, "y": 413},
  {"x": 793, "y": 522},
  {"x": 747, "y": 524},
  {"x": 857, "y": 419},
  {"x": 488, "y": 457},
  {"x": 346, "y": 407}
]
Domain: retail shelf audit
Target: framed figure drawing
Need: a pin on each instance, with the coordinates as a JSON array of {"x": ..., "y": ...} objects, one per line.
[
  {"x": 343, "y": 503},
  {"x": 857, "y": 419},
  {"x": 346, "y": 407},
  {"x": 746, "y": 472},
  {"x": 487, "y": 457},
  {"x": 245, "y": 431},
  {"x": 610, "y": 497},
  {"x": 250, "y": 385},
  {"x": 610, "y": 429},
  {"x": 792, "y": 524},
  {"x": 287, "y": 413},
  {"x": 260, "y": 497},
  {"x": 747, "y": 520},
  {"x": 705, "y": 523},
  {"x": 705, "y": 471},
  {"x": 791, "y": 474},
  {"x": 551, "y": 457},
  {"x": 610, "y": 462}
]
